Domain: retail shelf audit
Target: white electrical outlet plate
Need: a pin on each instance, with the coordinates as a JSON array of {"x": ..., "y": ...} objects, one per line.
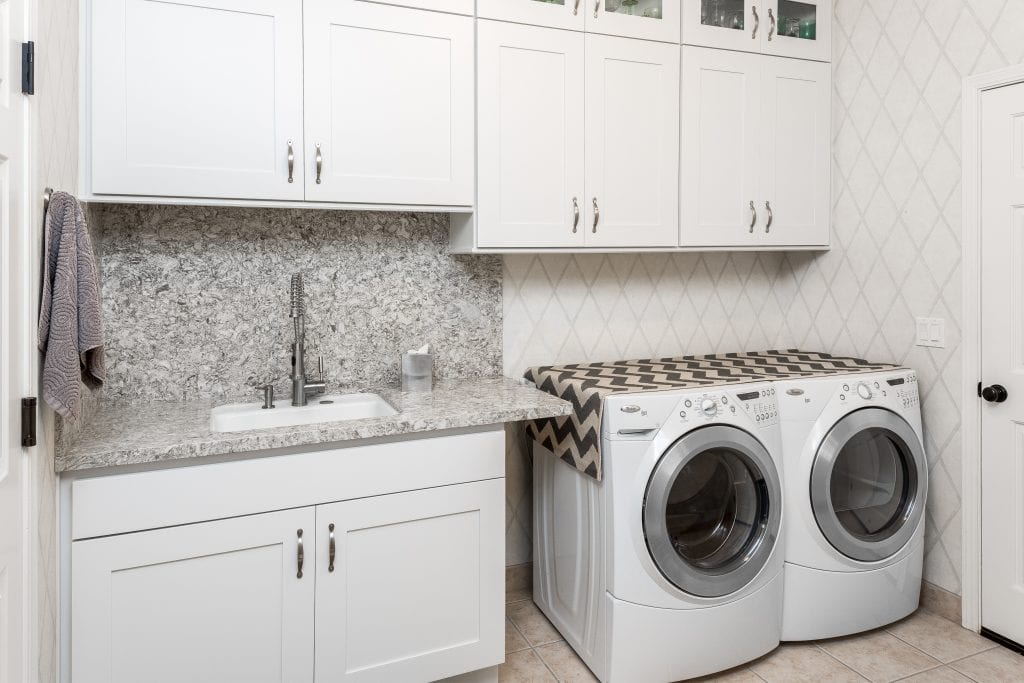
[{"x": 931, "y": 332}]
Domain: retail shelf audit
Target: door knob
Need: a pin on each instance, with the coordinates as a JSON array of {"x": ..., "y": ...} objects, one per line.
[{"x": 995, "y": 393}]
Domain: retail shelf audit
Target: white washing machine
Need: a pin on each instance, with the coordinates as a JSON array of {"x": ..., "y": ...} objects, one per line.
[
  {"x": 856, "y": 482},
  {"x": 671, "y": 567}
]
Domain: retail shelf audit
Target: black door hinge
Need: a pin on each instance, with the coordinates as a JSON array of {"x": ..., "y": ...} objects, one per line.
[
  {"x": 28, "y": 422},
  {"x": 28, "y": 68},
  {"x": 979, "y": 389}
]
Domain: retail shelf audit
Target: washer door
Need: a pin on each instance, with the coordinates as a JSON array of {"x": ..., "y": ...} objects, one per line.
[
  {"x": 869, "y": 483},
  {"x": 712, "y": 511}
]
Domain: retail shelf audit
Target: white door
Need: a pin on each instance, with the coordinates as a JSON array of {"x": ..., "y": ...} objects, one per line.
[
  {"x": 531, "y": 141},
  {"x": 648, "y": 19},
  {"x": 16, "y": 354},
  {"x": 389, "y": 104},
  {"x": 726, "y": 24},
  {"x": 721, "y": 128},
  {"x": 195, "y": 98},
  {"x": 795, "y": 135},
  {"x": 632, "y": 153},
  {"x": 220, "y": 601},
  {"x": 1002, "y": 365},
  {"x": 410, "y": 585},
  {"x": 798, "y": 28},
  {"x": 568, "y": 14}
]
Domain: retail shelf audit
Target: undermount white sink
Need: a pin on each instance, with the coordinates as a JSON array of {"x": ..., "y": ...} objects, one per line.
[{"x": 239, "y": 417}]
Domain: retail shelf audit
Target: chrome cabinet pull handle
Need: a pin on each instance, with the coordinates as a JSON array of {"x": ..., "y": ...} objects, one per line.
[
  {"x": 597, "y": 8},
  {"x": 575, "y": 215},
  {"x": 291, "y": 162},
  {"x": 330, "y": 548},
  {"x": 597, "y": 214},
  {"x": 319, "y": 162},
  {"x": 771, "y": 217},
  {"x": 771, "y": 29},
  {"x": 757, "y": 22},
  {"x": 301, "y": 554},
  {"x": 576, "y": 8},
  {"x": 753, "y": 216}
]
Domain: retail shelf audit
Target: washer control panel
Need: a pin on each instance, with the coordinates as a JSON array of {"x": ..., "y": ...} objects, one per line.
[
  {"x": 905, "y": 390},
  {"x": 761, "y": 405},
  {"x": 901, "y": 387}
]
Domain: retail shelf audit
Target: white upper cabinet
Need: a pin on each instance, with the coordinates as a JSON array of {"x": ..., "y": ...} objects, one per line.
[
  {"x": 531, "y": 144},
  {"x": 410, "y": 585},
  {"x": 786, "y": 28},
  {"x": 632, "y": 143},
  {"x": 647, "y": 19},
  {"x": 721, "y": 132},
  {"x": 799, "y": 28},
  {"x": 795, "y": 151},
  {"x": 389, "y": 104},
  {"x": 195, "y": 99},
  {"x": 218, "y": 601},
  {"x": 567, "y": 14}
]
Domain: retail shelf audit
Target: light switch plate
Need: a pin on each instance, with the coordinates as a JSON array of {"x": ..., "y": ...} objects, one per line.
[{"x": 931, "y": 332}]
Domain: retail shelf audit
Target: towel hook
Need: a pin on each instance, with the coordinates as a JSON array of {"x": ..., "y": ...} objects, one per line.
[{"x": 47, "y": 193}]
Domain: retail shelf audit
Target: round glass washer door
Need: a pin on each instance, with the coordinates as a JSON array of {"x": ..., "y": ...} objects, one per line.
[
  {"x": 712, "y": 511},
  {"x": 869, "y": 484}
]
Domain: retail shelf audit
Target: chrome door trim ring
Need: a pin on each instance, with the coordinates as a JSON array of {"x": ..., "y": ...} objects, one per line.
[
  {"x": 677, "y": 571},
  {"x": 821, "y": 491}
]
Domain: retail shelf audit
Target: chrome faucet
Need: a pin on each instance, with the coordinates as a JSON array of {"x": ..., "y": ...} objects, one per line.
[{"x": 302, "y": 389}]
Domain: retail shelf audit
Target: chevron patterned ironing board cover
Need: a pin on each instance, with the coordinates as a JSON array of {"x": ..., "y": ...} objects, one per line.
[{"x": 576, "y": 439}]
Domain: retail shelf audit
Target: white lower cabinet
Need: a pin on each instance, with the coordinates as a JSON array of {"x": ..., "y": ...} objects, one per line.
[
  {"x": 219, "y": 601},
  {"x": 409, "y": 586},
  {"x": 402, "y": 579}
]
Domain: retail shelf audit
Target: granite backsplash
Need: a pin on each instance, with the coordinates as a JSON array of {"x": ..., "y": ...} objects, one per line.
[{"x": 195, "y": 299}]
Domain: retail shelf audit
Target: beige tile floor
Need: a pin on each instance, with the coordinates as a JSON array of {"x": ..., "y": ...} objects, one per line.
[{"x": 922, "y": 647}]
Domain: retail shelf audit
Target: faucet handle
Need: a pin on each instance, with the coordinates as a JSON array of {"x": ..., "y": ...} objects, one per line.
[{"x": 268, "y": 396}]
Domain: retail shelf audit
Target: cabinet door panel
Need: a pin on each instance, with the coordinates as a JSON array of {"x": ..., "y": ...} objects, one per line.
[
  {"x": 210, "y": 116},
  {"x": 646, "y": 19},
  {"x": 389, "y": 100},
  {"x": 567, "y": 14},
  {"x": 218, "y": 601},
  {"x": 720, "y": 146},
  {"x": 531, "y": 142},
  {"x": 799, "y": 28},
  {"x": 632, "y": 143},
  {"x": 416, "y": 593},
  {"x": 726, "y": 24},
  {"x": 795, "y": 162}
]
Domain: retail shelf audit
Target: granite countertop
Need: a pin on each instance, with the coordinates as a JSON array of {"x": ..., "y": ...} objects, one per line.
[{"x": 134, "y": 433}]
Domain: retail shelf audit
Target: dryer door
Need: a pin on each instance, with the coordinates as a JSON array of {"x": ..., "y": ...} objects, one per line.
[
  {"x": 869, "y": 483},
  {"x": 712, "y": 511}
]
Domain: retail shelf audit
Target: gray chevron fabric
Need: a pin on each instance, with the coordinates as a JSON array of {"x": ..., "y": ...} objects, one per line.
[
  {"x": 576, "y": 439},
  {"x": 70, "y": 331}
]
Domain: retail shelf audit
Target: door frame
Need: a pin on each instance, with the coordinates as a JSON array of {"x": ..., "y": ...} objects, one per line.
[{"x": 974, "y": 88}]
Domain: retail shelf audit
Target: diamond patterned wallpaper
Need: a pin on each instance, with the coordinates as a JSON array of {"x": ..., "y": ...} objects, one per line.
[{"x": 897, "y": 68}]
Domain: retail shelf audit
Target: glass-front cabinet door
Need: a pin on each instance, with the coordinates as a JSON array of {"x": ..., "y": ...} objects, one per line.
[
  {"x": 568, "y": 14},
  {"x": 727, "y": 24},
  {"x": 647, "y": 19},
  {"x": 798, "y": 28}
]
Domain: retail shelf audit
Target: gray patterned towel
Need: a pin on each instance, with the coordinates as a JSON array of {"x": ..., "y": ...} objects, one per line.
[{"x": 70, "y": 317}]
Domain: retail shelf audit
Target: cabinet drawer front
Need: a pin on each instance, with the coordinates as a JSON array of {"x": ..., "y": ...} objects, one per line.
[
  {"x": 219, "y": 601},
  {"x": 416, "y": 591},
  {"x": 389, "y": 101},
  {"x": 195, "y": 99},
  {"x": 120, "y": 503}
]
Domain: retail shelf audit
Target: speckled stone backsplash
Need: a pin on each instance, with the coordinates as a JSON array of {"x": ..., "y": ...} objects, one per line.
[{"x": 195, "y": 299}]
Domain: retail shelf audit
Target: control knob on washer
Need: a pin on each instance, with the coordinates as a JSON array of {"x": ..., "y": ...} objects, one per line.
[
  {"x": 709, "y": 407},
  {"x": 864, "y": 390}
]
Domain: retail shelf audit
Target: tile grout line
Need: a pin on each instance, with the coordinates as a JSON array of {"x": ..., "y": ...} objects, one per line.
[{"x": 841, "y": 662}]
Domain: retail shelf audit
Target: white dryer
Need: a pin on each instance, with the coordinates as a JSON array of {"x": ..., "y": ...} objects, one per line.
[
  {"x": 671, "y": 567},
  {"x": 856, "y": 482}
]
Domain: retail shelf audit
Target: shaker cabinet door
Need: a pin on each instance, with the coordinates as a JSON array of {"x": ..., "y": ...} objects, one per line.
[
  {"x": 389, "y": 104},
  {"x": 531, "y": 143},
  {"x": 217, "y": 601},
  {"x": 798, "y": 28},
  {"x": 795, "y": 151},
  {"x": 645, "y": 19},
  {"x": 721, "y": 132},
  {"x": 632, "y": 155},
  {"x": 195, "y": 98},
  {"x": 409, "y": 585},
  {"x": 726, "y": 24}
]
